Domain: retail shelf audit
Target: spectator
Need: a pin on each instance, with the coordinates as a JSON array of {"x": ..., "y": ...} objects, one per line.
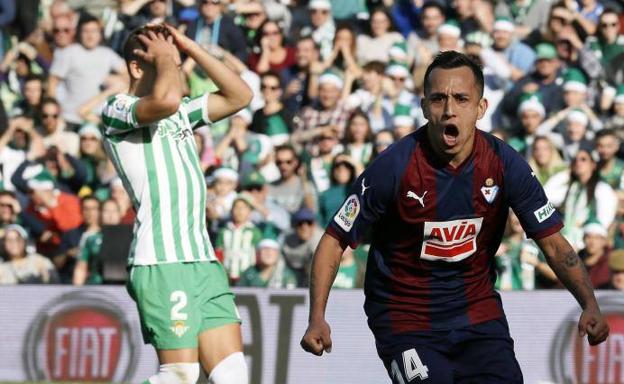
[
  {"x": 449, "y": 37},
  {"x": 342, "y": 175},
  {"x": 319, "y": 160},
  {"x": 63, "y": 32},
  {"x": 266, "y": 211},
  {"x": 423, "y": 43},
  {"x": 270, "y": 270},
  {"x": 608, "y": 43},
  {"x": 213, "y": 28},
  {"x": 473, "y": 15},
  {"x": 616, "y": 264},
  {"x": 508, "y": 264},
  {"x": 254, "y": 15},
  {"x": 236, "y": 242},
  {"x": 273, "y": 120},
  {"x": 10, "y": 210},
  {"x": 54, "y": 129},
  {"x": 23, "y": 266},
  {"x": 30, "y": 104},
  {"x": 545, "y": 160},
  {"x": 527, "y": 16},
  {"x": 616, "y": 120},
  {"x": 376, "y": 44},
  {"x": 19, "y": 142},
  {"x": 582, "y": 197},
  {"x": 531, "y": 112},
  {"x": 595, "y": 254},
  {"x": 518, "y": 57},
  {"x": 343, "y": 54},
  {"x": 370, "y": 94},
  {"x": 299, "y": 245},
  {"x": 611, "y": 168},
  {"x": 323, "y": 27},
  {"x": 358, "y": 140},
  {"x": 297, "y": 77},
  {"x": 88, "y": 268},
  {"x": 383, "y": 139},
  {"x": 575, "y": 136},
  {"x": 92, "y": 156},
  {"x": 327, "y": 113},
  {"x": 220, "y": 203},
  {"x": 273, "y": 55},
  {"x": 82, "y": 69},
  {"x": 542, "y": 80},
  {"x": 291, "y": 191},
  {"x": 559, "y": 17}
]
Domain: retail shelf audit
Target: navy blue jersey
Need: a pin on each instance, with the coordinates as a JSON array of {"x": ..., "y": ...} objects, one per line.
[{"x": 435, "y": 230}]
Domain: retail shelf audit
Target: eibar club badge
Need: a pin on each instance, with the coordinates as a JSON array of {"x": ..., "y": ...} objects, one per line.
[{"x": 489, "y": 190}]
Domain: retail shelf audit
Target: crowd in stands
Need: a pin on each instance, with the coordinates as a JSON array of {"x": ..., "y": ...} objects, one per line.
[{"x": 335, "y": 83}]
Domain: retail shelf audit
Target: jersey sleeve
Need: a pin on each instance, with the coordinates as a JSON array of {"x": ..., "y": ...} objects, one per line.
[
  {"x": 367, "y": 201},
  {"x": 527, "y": 198},
  {"x": 197, "y": 110},
  {"x": 119, "y": 114}
]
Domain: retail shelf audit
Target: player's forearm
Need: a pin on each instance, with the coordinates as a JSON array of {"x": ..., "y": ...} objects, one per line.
[
  {"x": 569, "y": 269},
  {"x": 168, "y": 85},
  {"x": 231, "y": 86},
  {"x": 324, "y": 268}
]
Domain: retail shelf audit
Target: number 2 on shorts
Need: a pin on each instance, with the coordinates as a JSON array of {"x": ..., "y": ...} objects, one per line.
[
  {"x": 178, "y": 297},
  {"x": 414, "y": 368}
]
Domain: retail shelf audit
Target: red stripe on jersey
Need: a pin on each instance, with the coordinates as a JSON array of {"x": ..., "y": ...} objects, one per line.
[
  {"x": 448, "y": 251},
  {"x": 410, "y": 286},
  {"x": 483, "y": 303}
]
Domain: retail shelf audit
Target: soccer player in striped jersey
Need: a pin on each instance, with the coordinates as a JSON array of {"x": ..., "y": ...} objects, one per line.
[
  {"x": 185, "y": 305},
  {"x": 437, "y": 202}
]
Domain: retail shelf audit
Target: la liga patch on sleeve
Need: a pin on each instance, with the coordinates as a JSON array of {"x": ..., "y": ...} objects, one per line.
[{"x": 346, "y": 215}]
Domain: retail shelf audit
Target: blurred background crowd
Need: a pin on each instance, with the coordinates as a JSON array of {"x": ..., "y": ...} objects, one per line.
[{"x": 336, "y": 82}]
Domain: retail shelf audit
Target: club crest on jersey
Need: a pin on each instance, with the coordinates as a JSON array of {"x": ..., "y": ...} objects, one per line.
[
  {"x": 450, "y": 241},
  {"x": 489, "y": 190},
  {"x": 179, "y": 328},
  {"x": 346, "y": 215}
]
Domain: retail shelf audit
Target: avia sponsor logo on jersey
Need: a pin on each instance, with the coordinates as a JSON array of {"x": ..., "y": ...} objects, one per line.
[
  {"x": 543, "y": 213},
  {"x": 81, "y": 337},
  {"x": 346, "y": 215},
  {"x": 575, "y": 361},
  {"x": 450, "y": 241}
]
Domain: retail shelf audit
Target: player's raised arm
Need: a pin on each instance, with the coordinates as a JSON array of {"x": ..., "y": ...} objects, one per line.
[
  {"x": 570, "y": 270},
  {"x": 325, "y": 265},
  {"x": 162, "y": 59},
  {"x": 233, "y": 94}
]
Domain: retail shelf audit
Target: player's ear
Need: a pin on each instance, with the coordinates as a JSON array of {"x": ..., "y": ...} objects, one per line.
[
  {"x": 482, "y": 107},
  {"x": 425, "y": 108},
  {"x": 135, "y": 70}
]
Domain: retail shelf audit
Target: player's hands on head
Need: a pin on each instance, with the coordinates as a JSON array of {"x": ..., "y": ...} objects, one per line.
[
  {"x": 317, "y": 338},
  {"x": 183, "y": 42},
  {"x": 158, "y": 43},
  {"x": 594, "y": 325}
]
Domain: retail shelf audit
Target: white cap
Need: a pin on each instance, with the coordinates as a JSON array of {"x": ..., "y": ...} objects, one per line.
[
  {"x": 268, "y": 243},
  {"x": 449, "y": 29},
  {"x": 319, "y": 4},
  {"x": 403, "y": 121},
  {"x": 90, "y": 129},
  {"x": 574, "y": 86},
  {"x": 504, "y": 25},
  {"x": 578, "y": 117},
  {"x": 595, "y": 229},
  {"x": 331, "y": 78},
  {"x": 532, "y": 104},
  {"x": 226, "y": 173},
  {"x": 397, "y": 70}
]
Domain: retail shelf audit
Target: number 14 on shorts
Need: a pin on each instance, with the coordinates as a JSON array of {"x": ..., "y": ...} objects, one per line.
[{"x": 413, "y": 366}]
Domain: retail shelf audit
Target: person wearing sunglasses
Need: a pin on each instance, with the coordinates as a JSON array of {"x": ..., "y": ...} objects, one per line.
[
  {"x": 54, "y": 128},
  {"x": 273, "y": 119},
  {"x": 608, "y": 43},
  {"x": 214, "y": 28},
  {"x": 270, "y": 53}
]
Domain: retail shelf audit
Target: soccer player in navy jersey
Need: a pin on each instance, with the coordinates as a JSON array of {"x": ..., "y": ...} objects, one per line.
[{"x": 436, "y": 203}]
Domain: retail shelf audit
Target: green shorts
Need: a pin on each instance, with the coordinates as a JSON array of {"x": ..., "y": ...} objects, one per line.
[{"x": 178, "y": 301}]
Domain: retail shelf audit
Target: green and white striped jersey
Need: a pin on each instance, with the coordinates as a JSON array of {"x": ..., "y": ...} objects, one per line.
[{"x": 160, "y": 169}]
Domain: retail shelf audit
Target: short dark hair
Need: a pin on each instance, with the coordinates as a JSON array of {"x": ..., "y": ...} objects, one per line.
[
  {"x": 272, "y": 73},
  {"x": 50, "y": 100},
  {"x": 133, "y": 43},
  {"x": 451, "y": 60},
  {"x": 90, "y": 198},
  {"x": 375, "y": 66},
  {"x": 606, "y": 132},
  {"x": 433, "y": 4}
]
